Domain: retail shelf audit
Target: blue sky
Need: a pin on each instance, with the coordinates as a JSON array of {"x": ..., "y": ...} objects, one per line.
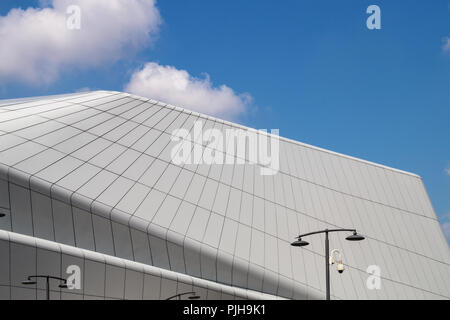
[{"x": 312, "y": 68}]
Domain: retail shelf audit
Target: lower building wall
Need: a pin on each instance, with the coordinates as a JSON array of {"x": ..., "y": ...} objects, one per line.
[
  {"x": 50, "y": 213},
  {"x": 100, "y": 276}
]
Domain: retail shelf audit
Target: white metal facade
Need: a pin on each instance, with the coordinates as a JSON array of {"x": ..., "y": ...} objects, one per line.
[{"x": 88, "y": 177}]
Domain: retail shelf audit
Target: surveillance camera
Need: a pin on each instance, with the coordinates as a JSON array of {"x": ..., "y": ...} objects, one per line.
[{"x": 340, "y": 267}]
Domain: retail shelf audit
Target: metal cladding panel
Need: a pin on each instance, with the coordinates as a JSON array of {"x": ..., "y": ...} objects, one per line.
[{"x": 94, "y": 171}]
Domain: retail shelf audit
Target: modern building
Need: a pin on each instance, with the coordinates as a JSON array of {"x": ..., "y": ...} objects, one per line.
[{"x": 89, "y": 191}]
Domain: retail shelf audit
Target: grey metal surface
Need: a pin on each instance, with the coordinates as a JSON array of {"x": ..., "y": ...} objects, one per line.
[{"x": 94, "y": 171}]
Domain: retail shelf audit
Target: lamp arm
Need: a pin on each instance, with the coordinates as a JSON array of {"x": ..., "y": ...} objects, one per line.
[
  {"x": 46, "y": 277},
  {"x": 325, "y": 231},
  {"x": 179, "y": 295}
]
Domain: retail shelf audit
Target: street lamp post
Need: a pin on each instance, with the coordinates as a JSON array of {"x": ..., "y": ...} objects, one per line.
[
  {"x": 47, "y": 278},
  {"x": 192, "y": 296},
  {"x": 301, "y": 243}
]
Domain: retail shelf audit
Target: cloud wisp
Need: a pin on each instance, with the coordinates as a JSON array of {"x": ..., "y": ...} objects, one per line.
[
  {"x": 445, "y": 225},
  {"x": 178, "y": 87},
  {"x": 446, "y": 229},
  {"x": 446, "y": 46},
  {"x": 36, "y": 44}
]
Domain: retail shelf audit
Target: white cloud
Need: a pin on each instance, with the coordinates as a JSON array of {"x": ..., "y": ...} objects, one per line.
[
  {"x": 447, "y": 170},
  {"x": 178, "y": 87},
  {"x": 446, "y": 46},
  {"x": 83, "y": 89},
  {"x": 36, "y": 44}
]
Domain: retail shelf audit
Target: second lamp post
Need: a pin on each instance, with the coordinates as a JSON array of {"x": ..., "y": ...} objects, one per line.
[{"x": 30, "y": 281}]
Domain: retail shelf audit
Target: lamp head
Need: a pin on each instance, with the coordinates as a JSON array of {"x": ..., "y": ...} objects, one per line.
[
  {"x": 299, "y": 243},
  {"x": 355, "y": 237}
]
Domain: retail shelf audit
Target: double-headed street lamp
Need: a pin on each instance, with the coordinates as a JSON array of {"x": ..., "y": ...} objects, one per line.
[
  {"x": 301, "y": 243},
  {"x": 30, "y": 281}
]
